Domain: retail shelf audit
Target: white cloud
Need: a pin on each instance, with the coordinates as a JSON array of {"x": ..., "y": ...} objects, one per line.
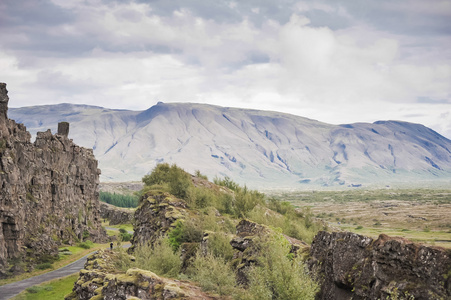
[{"x": 136, "y": 57}]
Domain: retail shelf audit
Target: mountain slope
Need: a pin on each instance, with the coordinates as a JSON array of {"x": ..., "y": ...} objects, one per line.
[{"x": 260, "y": 148}]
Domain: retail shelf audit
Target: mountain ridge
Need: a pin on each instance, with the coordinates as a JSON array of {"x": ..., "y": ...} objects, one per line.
[{"x": 260, "y": 148}]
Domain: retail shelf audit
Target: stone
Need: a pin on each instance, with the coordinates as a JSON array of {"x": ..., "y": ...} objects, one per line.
[
  {"x": 352, "y": 266},
  {"x": 63, "y": 128},
  {"x": 156, "y": 215},
  {"x": 49, "y": 195},
  {"x": 98, "y": 280},
  {"x": 116, "y": 215}
]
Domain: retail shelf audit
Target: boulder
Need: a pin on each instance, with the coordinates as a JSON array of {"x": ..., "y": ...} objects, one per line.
[{"x": 353, "y": 266}]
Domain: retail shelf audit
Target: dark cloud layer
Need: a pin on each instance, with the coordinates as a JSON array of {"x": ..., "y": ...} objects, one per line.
[{"x": 338, "y": 61}]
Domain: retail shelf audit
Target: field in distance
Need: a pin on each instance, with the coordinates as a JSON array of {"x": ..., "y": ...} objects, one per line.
[{"x": 419, "y": 215}]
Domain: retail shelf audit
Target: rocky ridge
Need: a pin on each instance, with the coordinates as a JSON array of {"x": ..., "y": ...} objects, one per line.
[
  {"x": 99, "y": 280},
  {"x": 352, "y": 266},
  {"x": 49, "y": 194}
]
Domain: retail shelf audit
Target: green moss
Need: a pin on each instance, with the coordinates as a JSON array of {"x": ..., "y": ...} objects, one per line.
[
  {"x": 173, "y": 213},
  {"x": 174, "y": 289},
  {"x": 98, "y": 297},
  {"x": 142, "y": 273}
]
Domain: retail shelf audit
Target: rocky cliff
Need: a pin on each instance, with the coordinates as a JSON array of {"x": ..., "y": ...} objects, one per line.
[
  {"x": 49, "y": 193},
  {"x": 116, "y": 215},
  {"x": 351, "y": 266}
]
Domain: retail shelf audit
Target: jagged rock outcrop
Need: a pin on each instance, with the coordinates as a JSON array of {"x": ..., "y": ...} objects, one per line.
[
  {"x": 246, "y": 252},
  {"x": 157, "y": 213},
  {"x": 98, "y": 280},
  {"x": 351, "y": 266},
  {"x": 49, "y": 194},
  {"x": 116, "y": 215}
]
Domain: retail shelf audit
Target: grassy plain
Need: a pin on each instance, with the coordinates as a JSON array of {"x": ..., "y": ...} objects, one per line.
[{"x": 420, "y": 215}]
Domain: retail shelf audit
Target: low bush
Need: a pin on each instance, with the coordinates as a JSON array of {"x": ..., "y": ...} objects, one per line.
[
  {"x": 36, "y": 288},
  {"x": 160, "y": 259},
  {"x": 44, "y": 266},
  {"x": 213, "y": 274},
  {"x": 278, "y": 275},
  {"x": 86, "y": 244}
]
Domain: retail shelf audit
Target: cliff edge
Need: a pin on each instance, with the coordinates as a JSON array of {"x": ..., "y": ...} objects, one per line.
[{"x": 49, "y": 194}]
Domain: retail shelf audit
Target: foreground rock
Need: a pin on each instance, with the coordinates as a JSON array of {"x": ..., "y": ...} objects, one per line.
[
  {"x": 99, "y": 280},
  {"x": 49, "y": 194},
  {"x": 351, "y": 266}
]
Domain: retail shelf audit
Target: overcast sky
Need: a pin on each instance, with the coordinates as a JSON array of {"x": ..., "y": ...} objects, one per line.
[{"x": 334, "y": 61}]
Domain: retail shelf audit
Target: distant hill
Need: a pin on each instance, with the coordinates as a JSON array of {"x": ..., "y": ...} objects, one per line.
[{"x": 262, "y": 149}]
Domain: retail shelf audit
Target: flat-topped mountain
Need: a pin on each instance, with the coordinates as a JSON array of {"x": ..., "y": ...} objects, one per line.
[{"x": 259, "y": 148}]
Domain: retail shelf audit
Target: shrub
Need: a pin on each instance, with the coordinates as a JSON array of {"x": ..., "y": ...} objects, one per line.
[
  {"x": 359, "y": 227},
  {"x": 160, "y": 258},
  {"x": 279, "y": 276},
  {"x": 213, "y": 274},
  {"x": 219, "y": 246},
  {"x": 227, "y": 182},
  {"x": 200, "y": 175},
  {"x": 185, "y": 232},
  {"x": 177, "y": 179},
  {"x": 86, "y": 244},
  {"x": 122, "y": 260},
  {"x": 125, "y": 236},
  {"x": 44, "y": 266},
  {"x": 36, "y": 289}
]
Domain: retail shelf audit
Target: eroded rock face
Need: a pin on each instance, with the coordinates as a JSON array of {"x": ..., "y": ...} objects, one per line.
[
  {"x": 98, "y": 280},
  {"x": 352, "y": 266},
  {"x": 157, "y": 213},
  {"x": 49, "y": 194},
  {"x": 116, "y": 215},
  {"x": 246, "y": 251}
]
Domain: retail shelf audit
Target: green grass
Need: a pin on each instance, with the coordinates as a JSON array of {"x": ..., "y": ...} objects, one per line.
[
  {"x": 50, "y": 290},
  {"x": 432, "y": 238},
  {"x": 128, "y": 227},
  {"x": 420, "y": 215},
  {"x": 77, "y": 253}
]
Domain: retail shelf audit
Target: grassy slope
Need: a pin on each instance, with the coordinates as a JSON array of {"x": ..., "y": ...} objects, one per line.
[{"x": 51, "y": 290}]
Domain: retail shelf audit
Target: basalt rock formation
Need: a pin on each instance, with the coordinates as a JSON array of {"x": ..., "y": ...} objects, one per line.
[
  {"x": 246, "y": 251},
  {"x": 49, "y": 194},
  {"x": 116, "y": 215},
  {"x": 156, "y": 215},
  {"x": 98, "y": 280},
  {"x": 351, "y": 266}
]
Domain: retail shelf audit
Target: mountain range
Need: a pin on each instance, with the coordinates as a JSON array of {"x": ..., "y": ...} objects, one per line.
[{"x": 262, "y": 149}]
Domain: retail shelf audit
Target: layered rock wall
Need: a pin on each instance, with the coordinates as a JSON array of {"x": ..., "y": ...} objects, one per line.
[
  {"x": 49, "y": 194},
  {"x": 351, "y": 266},
  {"x": 116, "y": 215}
]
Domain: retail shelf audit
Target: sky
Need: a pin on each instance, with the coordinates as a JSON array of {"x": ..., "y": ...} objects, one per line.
[{"x": 334, "y": 61}]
